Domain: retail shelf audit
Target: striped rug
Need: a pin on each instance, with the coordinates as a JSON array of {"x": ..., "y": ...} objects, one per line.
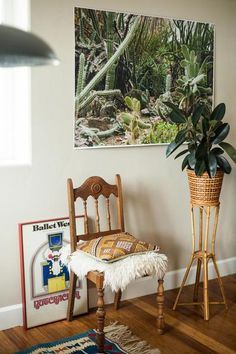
[{"x": 119, "y": 340}]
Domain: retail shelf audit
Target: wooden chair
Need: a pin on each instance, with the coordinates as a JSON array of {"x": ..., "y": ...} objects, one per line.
[{"x": 95, "y": 187}]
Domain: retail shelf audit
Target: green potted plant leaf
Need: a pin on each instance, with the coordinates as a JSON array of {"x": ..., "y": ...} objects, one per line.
[{"x": 204, "y": 133}]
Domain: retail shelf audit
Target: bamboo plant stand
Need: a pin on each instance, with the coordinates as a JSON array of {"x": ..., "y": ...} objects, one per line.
[{"x": 208, "y": 221}]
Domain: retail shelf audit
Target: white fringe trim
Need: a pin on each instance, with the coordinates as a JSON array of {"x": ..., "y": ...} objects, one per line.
[
  {"x": 119, "y": 274},
  {"x": 130, "y": 343}
]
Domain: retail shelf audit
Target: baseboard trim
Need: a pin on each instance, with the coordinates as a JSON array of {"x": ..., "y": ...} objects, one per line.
[{"x": 11, "y": 316}]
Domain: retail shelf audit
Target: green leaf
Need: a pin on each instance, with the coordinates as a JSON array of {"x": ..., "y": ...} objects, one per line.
[
  {"x": 223, "y": 164},
  {"x": 207, "y": 166},
  {"x": 230, "y": 150},
  {"x": 217, "y": 151},
  {"x": 185, "y": 162},
  {"x": 205, "y": 126},
  {"x": 173, "y": 146},
  {"x": 200, "y": 167},
  {"x": 176, "y": 115},
  {"x": 221, "y": 133},
  {"x": 212, "y": 164},
  {"x": 181, "y": 134},
  {"x": 181, "y": 153},
  {"x": 192, "y": 160},
  {"x": 197, "y": 114},
  {"x": 201, "y": 151},
  {"x": 218, "y": 113},
  {"x": 206, "y": 112},
  {"x": 176, "y": 118},
  {"x": 215, "y": 124}
]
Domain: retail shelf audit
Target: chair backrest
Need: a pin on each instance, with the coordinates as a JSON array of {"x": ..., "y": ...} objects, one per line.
[{"x": 95, "y": 187}]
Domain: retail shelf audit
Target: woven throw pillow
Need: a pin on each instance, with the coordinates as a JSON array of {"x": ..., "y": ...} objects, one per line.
[{"x": 114, "y": 247}]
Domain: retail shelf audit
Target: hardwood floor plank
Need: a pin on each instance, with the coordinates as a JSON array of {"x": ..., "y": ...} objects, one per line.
[{"x": 186, "y": 331}]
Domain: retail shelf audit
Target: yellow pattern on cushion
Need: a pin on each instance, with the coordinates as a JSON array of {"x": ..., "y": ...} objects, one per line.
[{"x": 114, "y": 247}]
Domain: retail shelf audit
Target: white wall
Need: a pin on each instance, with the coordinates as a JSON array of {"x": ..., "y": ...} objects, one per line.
[{"x": 155, "y": 189}]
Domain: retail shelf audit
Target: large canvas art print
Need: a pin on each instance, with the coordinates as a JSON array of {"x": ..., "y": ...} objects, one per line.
[{"x": 127, "y": 66}]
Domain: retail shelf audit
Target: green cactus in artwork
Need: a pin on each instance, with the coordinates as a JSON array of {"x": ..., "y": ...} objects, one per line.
[
  {"x": 192, "y": 86},
  {"x": 160, "y": 108},
  {"x": 168, "y": 82},
  {"x": 100, "y": 75},
  {"x": 161, "y": 132},
  {"x": 81, "y": 27},
  {"x": 80, "y": 79},
  {"x": 110, "y": 76},
  {"x": 80, "y": 85},
  {"x": 94, "y": 94},
  {"x": 81, "y": 74},
  {"x": 132, "y": 122}
]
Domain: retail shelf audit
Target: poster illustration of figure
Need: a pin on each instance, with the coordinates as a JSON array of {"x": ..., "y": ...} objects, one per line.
[
  {"x": 45, "y": 279},
  {"x": 55, "y": 273}
]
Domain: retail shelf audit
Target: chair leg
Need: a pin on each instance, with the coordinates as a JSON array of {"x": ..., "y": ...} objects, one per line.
[
  {"x": 100, "y": 319},
  {"x": 71, "y": 300},
  {"x": 160, "y": 307},
  {"x": 117, "y": 298}
]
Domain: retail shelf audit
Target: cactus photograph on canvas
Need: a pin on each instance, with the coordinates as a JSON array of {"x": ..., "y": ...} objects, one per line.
[{"x": 127, "y": 66}]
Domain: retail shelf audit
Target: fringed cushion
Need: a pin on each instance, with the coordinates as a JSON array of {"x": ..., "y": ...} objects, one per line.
[
  {"x": 118, "y": 274},
  {"x": 110, "y": 248}
]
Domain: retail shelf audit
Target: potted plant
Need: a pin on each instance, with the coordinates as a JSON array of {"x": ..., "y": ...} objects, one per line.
[{"x": 204, "y": 133}]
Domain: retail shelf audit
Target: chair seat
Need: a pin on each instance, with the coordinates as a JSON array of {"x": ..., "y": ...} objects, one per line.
[{"x": 118, "y": 274}]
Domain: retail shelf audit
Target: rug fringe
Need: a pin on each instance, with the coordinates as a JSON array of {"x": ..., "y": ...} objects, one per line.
[{"x": 122, "y": 335}]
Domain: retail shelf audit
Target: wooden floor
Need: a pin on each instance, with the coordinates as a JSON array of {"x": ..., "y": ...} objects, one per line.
[{"x": 186, "y": 331}]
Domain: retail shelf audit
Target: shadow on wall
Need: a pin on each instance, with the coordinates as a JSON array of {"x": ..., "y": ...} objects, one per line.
[{"x": 143, "y": 218}]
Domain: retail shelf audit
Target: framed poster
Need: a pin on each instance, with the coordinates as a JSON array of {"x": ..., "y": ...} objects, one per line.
[
  {"x": 44, "y": 278},
  {"x": 127, "y": 66}
]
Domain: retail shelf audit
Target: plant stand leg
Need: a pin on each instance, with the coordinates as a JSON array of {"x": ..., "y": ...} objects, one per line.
[
  {"x": 220, "y": 282},
  {"x": 199, "y": 261},
  {"x": 197, "y": 281},
  {"x": 183, "y": 282},
  {"x": 203, "y": 256},
  {"x": 205, "y": 288}
]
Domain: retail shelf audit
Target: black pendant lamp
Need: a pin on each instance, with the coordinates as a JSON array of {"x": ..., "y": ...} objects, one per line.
[{"x": 21, "y": 48}]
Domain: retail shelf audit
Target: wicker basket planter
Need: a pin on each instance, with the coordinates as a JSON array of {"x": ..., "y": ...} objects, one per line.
[{"x": 203, "y": 189}]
